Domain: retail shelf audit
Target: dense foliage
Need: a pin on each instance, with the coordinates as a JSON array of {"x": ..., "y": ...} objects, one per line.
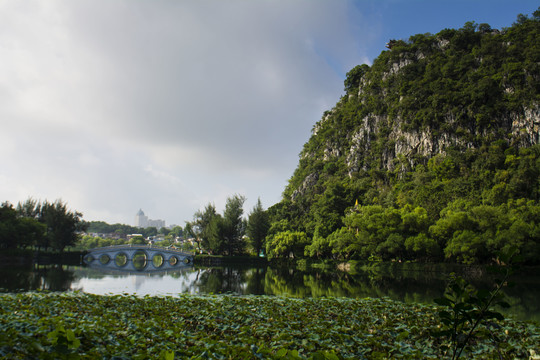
[
  {"x": 37, "y": 224},
  {"x": 230, "y": 234},
  {"x": 81, "y": 326},
  {"x": 432, "y": 154}
]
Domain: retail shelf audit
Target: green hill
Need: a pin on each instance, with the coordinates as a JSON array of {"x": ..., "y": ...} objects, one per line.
[{"x": 432, "y": 153}]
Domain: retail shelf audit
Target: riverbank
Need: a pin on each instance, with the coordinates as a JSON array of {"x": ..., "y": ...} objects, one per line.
[{"x": 45, "y": 325}]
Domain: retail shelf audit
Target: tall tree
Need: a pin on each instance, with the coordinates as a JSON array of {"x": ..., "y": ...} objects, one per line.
[
  {"x": 257, "y": 227},
  {"x": 191, "y": 233},
  {"x": 62, "y": 225},
  {"x": 233, "y": 227},
  {"x": 205, "y": 227}
]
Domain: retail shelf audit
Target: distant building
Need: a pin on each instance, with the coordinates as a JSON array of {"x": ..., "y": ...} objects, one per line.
[
  {"x": 143, "y": 221},
  {"x": 156, "y": 223}
]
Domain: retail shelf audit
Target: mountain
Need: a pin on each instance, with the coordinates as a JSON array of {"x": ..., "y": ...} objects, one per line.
[{"x": 431, "y": 146}]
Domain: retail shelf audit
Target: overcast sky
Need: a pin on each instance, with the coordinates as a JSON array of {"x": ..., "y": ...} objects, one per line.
[{"x": 116, "y": 105}]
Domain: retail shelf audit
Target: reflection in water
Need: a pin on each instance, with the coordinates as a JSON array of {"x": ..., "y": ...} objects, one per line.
[
  {"x": 36, "y": 277},
  {"x": 139, "y": 260},
  {"x": 400, "y": 282},
  {"x": 120, "y": 259}
]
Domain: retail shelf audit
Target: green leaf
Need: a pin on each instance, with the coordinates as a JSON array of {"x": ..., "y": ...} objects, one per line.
[
  {"x": 166, "y": 355},
  {"x": 281, "y": 353}
]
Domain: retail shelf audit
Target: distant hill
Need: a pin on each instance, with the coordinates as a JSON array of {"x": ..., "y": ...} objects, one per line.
[{"x": 432, "y": 153}]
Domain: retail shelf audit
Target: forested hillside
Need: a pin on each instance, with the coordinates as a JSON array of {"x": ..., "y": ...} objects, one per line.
[{"x": 432, "y": 153}]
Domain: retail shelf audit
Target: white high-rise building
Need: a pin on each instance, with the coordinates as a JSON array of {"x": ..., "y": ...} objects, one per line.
[{"x": 143, "y": 221}]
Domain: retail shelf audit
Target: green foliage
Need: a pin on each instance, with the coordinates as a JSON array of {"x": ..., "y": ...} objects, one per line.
[
  {"x": 233, "y": 227},
  {"x": 137, "y": 240},
  {"x": 76, "y": 325},
  {"x": 468, "y": 309},
  {"x": 286, "y": 244},
  {"x": 16, "y": 231},
  {"x": 220, "y": 235},
  {"x": 354, "y": 77},
  {"x": 203, "y": 228},
  {"x": 64, "y": 343},
  {"x": 39, "y": 224},
  {"x": 257, "y": 227}
]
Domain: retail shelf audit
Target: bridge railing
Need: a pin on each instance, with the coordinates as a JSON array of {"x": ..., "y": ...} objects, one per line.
[{"x": 150, "y": 247}]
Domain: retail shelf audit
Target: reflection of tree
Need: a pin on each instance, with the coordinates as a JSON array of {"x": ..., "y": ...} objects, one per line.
[
  {"x": 370, "y": 283},
  {"x": 285, "y": 282},
  {"x": 56, "y": 278},
  {"x": 255, "y": 281},
  {"x": 39, "y": 277},
  {"x": 221, "y": 280},
  {"x": 16, "y": 277}
]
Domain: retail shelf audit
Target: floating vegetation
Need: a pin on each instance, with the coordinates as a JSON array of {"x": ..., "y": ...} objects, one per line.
[{"x": 84, "y": 326}]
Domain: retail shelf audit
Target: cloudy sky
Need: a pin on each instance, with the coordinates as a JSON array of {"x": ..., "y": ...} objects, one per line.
[{"x": 116, "y": 105}]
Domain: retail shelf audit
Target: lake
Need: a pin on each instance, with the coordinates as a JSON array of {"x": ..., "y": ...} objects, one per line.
[{"x": 404, "y": 282}]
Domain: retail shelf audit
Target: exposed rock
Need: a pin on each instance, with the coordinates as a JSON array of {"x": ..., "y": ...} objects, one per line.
[
  {"x": 309, "y": 181},
  {"x": 524, "y": 128}
]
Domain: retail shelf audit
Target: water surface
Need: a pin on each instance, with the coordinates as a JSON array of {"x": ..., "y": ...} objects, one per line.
[{"x": 408, "y": 283}]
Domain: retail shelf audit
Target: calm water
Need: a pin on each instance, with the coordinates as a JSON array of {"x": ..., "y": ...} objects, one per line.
[{"x": 407, "y": 282}]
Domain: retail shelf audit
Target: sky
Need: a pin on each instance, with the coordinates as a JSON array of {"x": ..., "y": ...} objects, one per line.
[{"x": 168, "y": 105}]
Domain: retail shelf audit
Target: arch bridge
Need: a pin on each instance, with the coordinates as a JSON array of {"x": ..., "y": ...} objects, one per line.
[{"x": 138, "y": 258}]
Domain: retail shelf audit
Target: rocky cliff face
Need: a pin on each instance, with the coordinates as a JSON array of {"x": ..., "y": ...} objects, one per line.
[{"x": 522, "y": 128}]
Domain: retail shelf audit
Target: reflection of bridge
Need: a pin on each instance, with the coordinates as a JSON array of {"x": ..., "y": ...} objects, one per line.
[{"x": 137, "y": 258}]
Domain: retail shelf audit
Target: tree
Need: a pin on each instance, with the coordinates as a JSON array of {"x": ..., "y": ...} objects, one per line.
[
  {"x": 62, "y": 226},
  {"x": 352, "y": 80},
  {"x": 150, "y": 231},
  {"x": 164, "y": 231},
  {"x": 137, "y": 240},
  {"x": 329, "y": 209},
  {"x": 177, "y": 231},
  {"x": 233, "y": 227},
  {"x": 257, "y": 227},
  {"x": 202, "y": 230},
  {"x": 8, "y": 226},
  {"x": 190, "y": 233},
  {"x": 214, "y": 235},
  {"x": 287, "y": 244},
  {"x": 29, "y": 231}
]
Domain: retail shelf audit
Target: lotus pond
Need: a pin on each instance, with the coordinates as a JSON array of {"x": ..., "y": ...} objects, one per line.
[{"x": 86, "y": 326}]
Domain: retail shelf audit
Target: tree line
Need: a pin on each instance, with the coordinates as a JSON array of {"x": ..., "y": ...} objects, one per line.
[
  {"x": 42, "y": 225},
  {"x": 101, "y": 234}
]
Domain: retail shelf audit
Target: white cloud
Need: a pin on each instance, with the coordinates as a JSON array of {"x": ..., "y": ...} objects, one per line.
[{"x": 164, "y": 105}]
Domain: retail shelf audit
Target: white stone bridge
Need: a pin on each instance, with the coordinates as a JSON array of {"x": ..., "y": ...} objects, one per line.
[{"x": 137, "y": 258}]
